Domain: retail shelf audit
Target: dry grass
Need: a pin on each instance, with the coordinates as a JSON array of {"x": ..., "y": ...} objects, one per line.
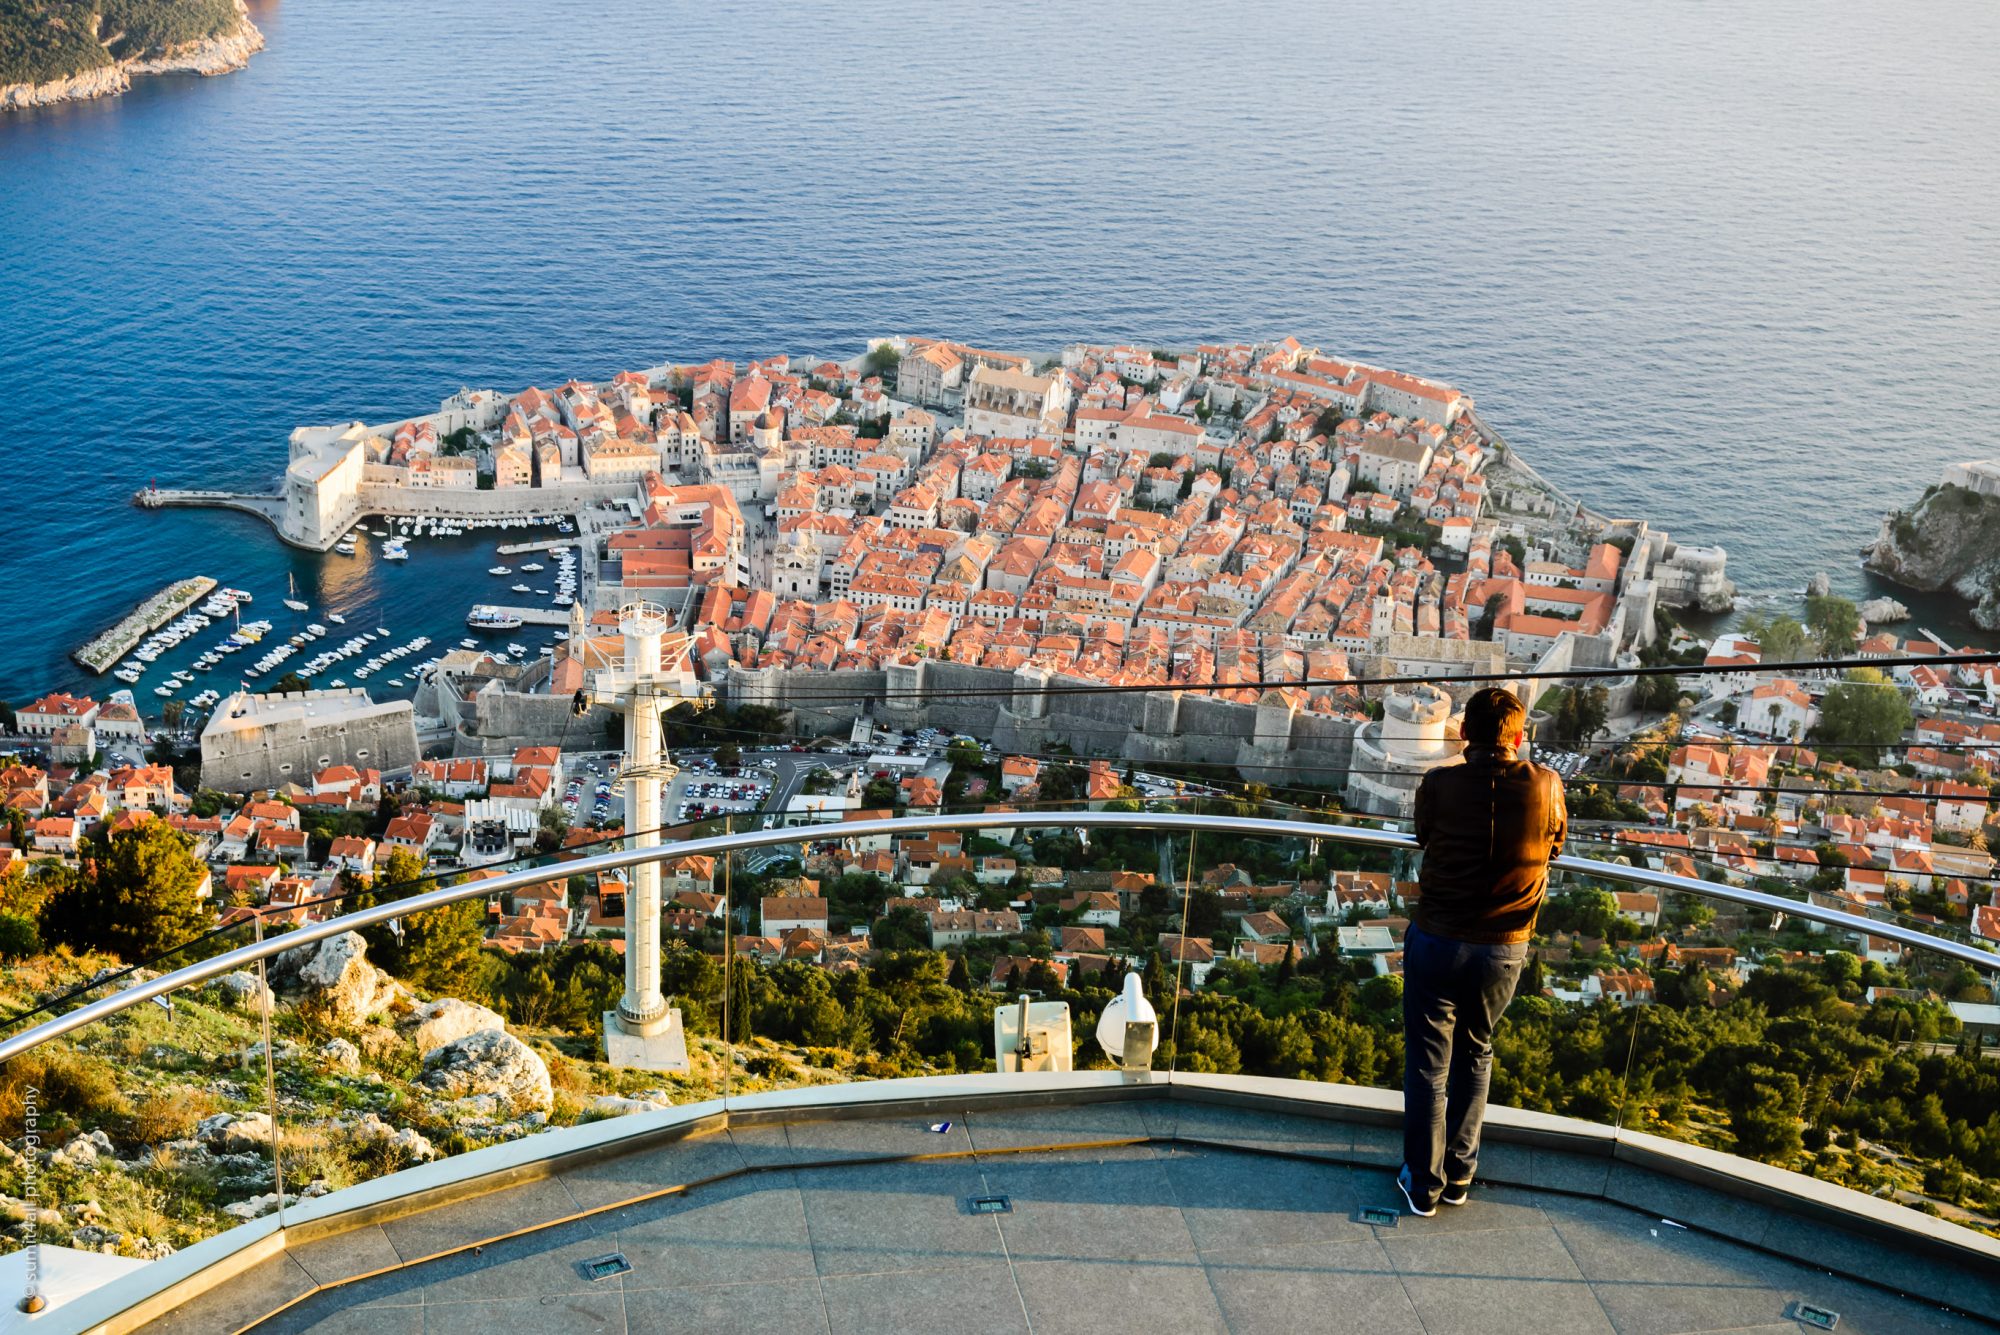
[{"x": 170, "y": 1114}]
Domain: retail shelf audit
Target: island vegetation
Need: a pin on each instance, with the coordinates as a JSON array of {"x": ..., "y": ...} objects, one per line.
[{"x": 45, "y": 40}]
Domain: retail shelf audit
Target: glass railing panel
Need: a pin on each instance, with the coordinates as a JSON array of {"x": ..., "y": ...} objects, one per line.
[
  {"x": 467, "y": 1024},
  {"x": 1857, "y": 1061},
  {"x": 140, "y": 1133}
]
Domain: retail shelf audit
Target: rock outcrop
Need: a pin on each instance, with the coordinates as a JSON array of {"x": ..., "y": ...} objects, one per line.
[
  {"x": 336, "y": 975},
  {"x": 618, "y": 1105},
  {"x": 446, "y": 1020},
  {"x": 1949, "y": 540},
  {"x": 490, "y": 1062},
  {"x": 1882, "y": 611},
  {"x": 214, "y": 55},
  {"x": 411, "y": 1145},
  {"x": 234, "y": 1133},
  {"x": 242, "y": 989}
]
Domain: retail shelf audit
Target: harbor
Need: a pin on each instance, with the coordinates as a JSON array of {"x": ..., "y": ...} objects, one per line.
[{"x": 101, "y": 653}]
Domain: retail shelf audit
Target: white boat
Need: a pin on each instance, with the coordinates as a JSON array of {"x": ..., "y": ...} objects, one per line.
[
  {"x": 292, "y": 599},
  {"x": 393, "y": 550},
  {"x": 336, "y": 618},
  {"x": 491, "y": 619},
  {"x": 344, "y": 548},
  {"x": 522, "y": 588},
  {"x": 240, "y": 595},
  {"x": 499, "y": 570},
  {"x": 468, "y": 643},
  {"x": 165, "y": 690},
  {"x": 534, "y": 566},
  {"x": 516, "y": 650},
  {"x": 561, "y": 636},
  {"x": 383, "y": 631}
]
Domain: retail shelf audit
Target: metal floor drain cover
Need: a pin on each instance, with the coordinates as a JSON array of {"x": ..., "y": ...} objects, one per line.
[
  {"x": 991, "y": 1205},
  {"x": 605, "y": 1266},
  {"x": 1382, "y": 1215},
  {"x": 1819, "y": 1318}
]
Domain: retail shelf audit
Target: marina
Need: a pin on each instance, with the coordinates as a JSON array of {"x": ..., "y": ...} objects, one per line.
[{"x": 102, "y": 653}]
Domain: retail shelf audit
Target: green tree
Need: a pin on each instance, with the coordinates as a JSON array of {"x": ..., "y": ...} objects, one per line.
[
  {"x": 1779, "y": 639},
  {"x": 440, "y": 948},
  {"x": 882, "y": 359},
  {"x": 1835, "y": 625},
  {"x": 739, "y": 1001},
  {"x": 18, "y": 936},
  {"x": 1658, "y": 693},
  {"x": 137, "y": 895},
  {"x": 1865, "y": 709}
]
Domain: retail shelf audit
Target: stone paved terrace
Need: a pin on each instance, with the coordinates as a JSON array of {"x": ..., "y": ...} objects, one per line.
[{"x": 1162, "y": 1215}]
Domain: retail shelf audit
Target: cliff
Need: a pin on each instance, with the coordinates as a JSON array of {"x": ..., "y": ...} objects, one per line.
[
  {"x": 1949, "y": 540},
  {"x": 53, "y": 60}
]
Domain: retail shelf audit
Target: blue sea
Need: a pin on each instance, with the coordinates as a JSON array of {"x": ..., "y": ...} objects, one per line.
[{"x": 1732, "y": 267}]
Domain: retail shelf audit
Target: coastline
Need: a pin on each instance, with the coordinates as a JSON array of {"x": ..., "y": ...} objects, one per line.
[{"x": 211, "y": 56}]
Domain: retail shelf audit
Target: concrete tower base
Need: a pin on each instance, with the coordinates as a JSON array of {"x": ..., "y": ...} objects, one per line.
[{"x": 662, "y": 1051}]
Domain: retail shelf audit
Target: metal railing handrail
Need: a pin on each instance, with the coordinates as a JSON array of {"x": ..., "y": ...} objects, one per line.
[{"x": 202, "y": 971}]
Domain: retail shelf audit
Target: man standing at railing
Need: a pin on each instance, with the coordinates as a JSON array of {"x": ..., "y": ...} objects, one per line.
[{"x": 1488, "y": 829}]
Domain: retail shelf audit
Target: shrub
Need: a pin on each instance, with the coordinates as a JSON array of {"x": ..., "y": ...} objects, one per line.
[
  {"x": 170, "y": 1114},
  {"x": 74, "y": 1090}
]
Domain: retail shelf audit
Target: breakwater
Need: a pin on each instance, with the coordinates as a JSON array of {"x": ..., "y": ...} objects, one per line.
[{"x": 162, "y": 607}]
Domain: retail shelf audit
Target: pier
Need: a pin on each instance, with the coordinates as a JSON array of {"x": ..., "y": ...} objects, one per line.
[
  {"x": 101, "y": 653},
  {"x": 269, "y": 508},
  {"x": 550, "y": 545},
  {"x": 531, "y": 616}
]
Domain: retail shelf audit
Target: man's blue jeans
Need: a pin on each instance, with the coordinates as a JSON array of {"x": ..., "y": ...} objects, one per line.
[{"x": 1453, "y": 994}]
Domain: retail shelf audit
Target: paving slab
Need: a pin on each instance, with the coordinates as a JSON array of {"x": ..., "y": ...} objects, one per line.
[
  {"x": 747, "y": 1229},
  {"x": 1496, "y": 1281},
  {"x": 1311, "y": 1286},
  {"x": 674, "y": 1163},
  {"x": 1232, "y": 1200},
  {"x": 566, "y": 1314},
  {"x": 870, "y": 1218},
  {"x": 787, "y": 1307},
  {"x": 1092, "y": 1297},
  {"x": 263, "y": 1288},
  {"x": 964, "y": 1300},
  {"x": 1114, "y": 1210}
]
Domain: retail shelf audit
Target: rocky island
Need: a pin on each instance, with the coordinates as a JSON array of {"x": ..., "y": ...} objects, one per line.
[
  {"x": 1949, "y": 539},
  {"x": 67, "y": 50}
]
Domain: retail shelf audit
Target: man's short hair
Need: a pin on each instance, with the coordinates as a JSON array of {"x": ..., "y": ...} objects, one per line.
[{"x": 1493, "y": 717}]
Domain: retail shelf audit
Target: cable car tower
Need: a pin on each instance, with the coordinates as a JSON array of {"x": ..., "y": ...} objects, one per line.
[{"x": 644, "y": 1032}]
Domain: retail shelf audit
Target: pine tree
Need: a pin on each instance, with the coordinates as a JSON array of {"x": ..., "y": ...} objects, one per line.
[
  {"x": 440, "y": 946},
  {"x": 739, "y": 1001},
  {"x": 959, "y": 978},
  {"x": 137, "y": 895}
]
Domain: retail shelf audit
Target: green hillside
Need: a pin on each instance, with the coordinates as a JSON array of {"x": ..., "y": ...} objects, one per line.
[{"x": 41, "y": 40}]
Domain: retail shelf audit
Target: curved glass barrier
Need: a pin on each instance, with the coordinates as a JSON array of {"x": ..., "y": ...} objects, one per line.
[{"x": 1669, "y": 1011}]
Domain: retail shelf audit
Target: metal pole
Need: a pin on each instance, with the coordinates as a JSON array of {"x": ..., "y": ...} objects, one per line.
[{"x": 270, "y": 1071}]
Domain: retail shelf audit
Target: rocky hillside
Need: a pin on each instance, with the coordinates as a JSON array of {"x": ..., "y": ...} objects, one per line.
[
  {"x": 1949, "y": 540},
  {"x": 153, "y": 1130},
  {"x": 64, "y": 50}
]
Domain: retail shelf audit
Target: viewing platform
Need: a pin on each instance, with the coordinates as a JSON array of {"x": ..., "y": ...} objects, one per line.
[
  {"x": 1035, "y": 1198},
  {"x": 1087, "y": 1202}
]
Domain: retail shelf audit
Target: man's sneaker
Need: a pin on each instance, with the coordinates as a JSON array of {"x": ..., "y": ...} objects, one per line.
[
  {"x": 1456, "y": 1193},
  {"x": 1422, "y": 1211}
]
